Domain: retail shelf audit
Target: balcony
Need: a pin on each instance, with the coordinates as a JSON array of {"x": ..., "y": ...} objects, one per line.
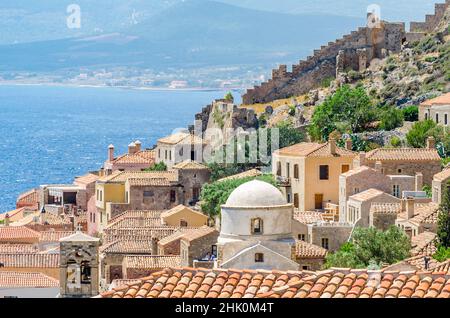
[{"x": 284, "y": 181}]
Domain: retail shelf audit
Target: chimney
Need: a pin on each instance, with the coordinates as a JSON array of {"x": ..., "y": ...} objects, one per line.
[
  {"x": 132, "y": 148},
  {"x": 403, "y": 205},
  {"x": 7, "y": 219},
  {"x": 431, "y": 142},
  {"x": 378, "y": 166},
  {"x": 408, "y": 231},
  {"x": 332, "y": 145},
  {"x": 419, "y": 181},
  {"x": 154, "y": 246},
  {"x": 111, "y": 153},
  {"x": 359, "y": 161},
  {"x": 409, "y": 208},
  {"x": 138, "y": 145},
  {"x": 72, "y": 221},
  {"x": 348, "y": 144},
  {"x": 43, "y": 215}
]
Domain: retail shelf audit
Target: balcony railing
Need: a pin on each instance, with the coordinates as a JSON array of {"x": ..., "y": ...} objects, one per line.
[{"x": 284, "y": 181}]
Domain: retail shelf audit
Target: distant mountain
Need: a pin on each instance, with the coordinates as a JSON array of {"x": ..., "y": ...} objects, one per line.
[
  {"x": 186, "y": 34},
  {"x": 399, "y": 10}
]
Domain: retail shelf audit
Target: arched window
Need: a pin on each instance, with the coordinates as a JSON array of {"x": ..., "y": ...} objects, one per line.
[
  {"x": 278, "y": 168},
  {"x": 295, "y": 171},
  {"x": 257, "y": 226},
  {"x": 183, "y": 223},
  {"x": 85, "y": 270}
]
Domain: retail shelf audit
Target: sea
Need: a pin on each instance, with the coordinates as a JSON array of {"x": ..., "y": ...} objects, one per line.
[{"x": 51, "y": 134}]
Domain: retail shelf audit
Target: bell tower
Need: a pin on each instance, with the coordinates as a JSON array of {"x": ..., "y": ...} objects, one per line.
[{"x": 79, "y": 269}]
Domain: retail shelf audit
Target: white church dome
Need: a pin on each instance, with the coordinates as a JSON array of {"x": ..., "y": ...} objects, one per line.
[{"x": 255, "y": 194}]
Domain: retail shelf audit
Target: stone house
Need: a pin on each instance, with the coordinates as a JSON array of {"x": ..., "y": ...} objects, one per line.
[
  {"x": 358, "y": 206},
  {"x": 383, "y": 215},
  {"x": 440, "y": 184},
  {"x": 437, "y": 110},
  {"x": 417, "y": 218},
  {"x": 309, "y": 256},
  {"x": 198, "y": 245},
  {"x": 300, "y": 223},
  {"x": 329, "y": 235},
  {"x": 179, "y": 147},
  {"x": 29, "y": 199},
  {"x": 154, "y": 190},
  {"x": 406, "y": 161},
  {"x": 309, "y": 173},
  {"x": 136, "y": 159}
]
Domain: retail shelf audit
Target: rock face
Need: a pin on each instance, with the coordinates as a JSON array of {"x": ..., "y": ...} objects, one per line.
[{"x": 354, "y": 51}]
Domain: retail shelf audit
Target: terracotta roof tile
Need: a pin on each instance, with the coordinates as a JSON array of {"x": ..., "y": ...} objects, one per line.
[
  {"x": 242, "y": 175},
  {"x": 17, "y": 232},
  {"x": 441, "y": 100},
  {"x": 403, "y": 154},
  {"x": 140, "y": 157},
  {"x": 443, "y": 175},
  {"x": 181, "y": 137},
  {"x": 26, "y": 280},
  {"x": 54, "y": 236},
  {"x": 151, "y": 262},
  {"x": 306, "y": 250},
  {"x": 308, "y": 217},
  {"x": 18, "y": 248},
  {"x": 312, "y": 149},
  {"x": 29, "y": 260},
  {"x": 128, "y": 247},
  {"x": 86, "y": 179},
  {"x": 423, "y": 244},
  {"x": 335, "y": 283},
  {"x": 190, "y": 165}
]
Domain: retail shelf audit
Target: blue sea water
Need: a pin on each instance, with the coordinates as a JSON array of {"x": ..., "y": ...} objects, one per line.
[{"x": 51, "y": 134}]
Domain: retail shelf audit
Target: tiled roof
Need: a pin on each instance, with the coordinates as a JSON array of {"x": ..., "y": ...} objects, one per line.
[
  {"x": 112, "y": 235},
  {"x": 308, "y": 217},
  {"x": 29, "y": 197},
  {"x": 181, "y": 137},
  {"x": 242, "y": 175},
  {"x": 17, "y": 248},
  {"x": 128, "y": 247},
  {"x": 177, "y": 235},
  {"x": 423, "y": 244},
  {"x": 190, "y": 165},
  {"x": 443, "y": 175},
  {"x": 308, "y": 250},
  {"x": 441, "y": 100},
  {"x": 26, "y": 280},
  {"x": 177, "y": 209},
  {"x": 416, "y": 261},
  {"x": 386, "y": 208},
  {"x": 423, "y": 213},
  {"x": 123, "y": 176},
  {"x": 403, "y": 154},
  {"x": 333, "y": 283},
  {"x": 135, "y": 222},
  {"x": 30, "y": 260},
  {"x": 366, "y": 195},
  {"x": 443, "y": 267},
  {"x": 54, "y": 236},
  {"x": 357, "y": 170},
  {"x": 149, "y": 182},
  {"x": 143, "y": 157},
  {"x": 151, "y": 261},
  {"x": 17, "y": 232},
  {"x": 11, "y": 214},
  {"x": 86, "y": 179},
  {"x": 136, "y": 214},
  {"x": 196, "y": 233},
  {"x": 312, "y": 149}
]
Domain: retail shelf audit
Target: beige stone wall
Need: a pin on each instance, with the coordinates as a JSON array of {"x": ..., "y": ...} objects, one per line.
[
  {"x": 382, "y": 221},
  {"x": 196, "y": 249},
  {"x": 336, "y": 235},
  {"x": 310, "y": 264}
]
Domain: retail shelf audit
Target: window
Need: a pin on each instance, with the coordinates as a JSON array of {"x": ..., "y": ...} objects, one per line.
[
  {"x": 356, "y": 190},
  {"x": 278, "y": 168},
  {"x": 288, "y": 198},
  {"x": 181, "y": 152},
  {"x": 426, "y": 116},
  {"x": 126, "y": 196},
  {"x": 396, "y": 190},
  {"x": 296, "y": 201},
  {"x": 93, "y": 217},
  {"x": 324, "y": 172},
  {"x": 183, "y": 223},
  {"x": 437, "y": 118},
  {"x": 445, "y": 119},
  {"x": 173, "y": 196},
  {"x": 259, "y": 258},
  {"x": 192, "y": 155},
  {"x": 159, "y": 153},
  {"x": 257, "y": 226},
  {"x": 296, "y": 172},
  {"x": 165, "y": 154},
  {"x": 288, "y": 170},
  {"x": 302, "y": 237},
  {"x": 305, "y": 267},
  {"x": 170, "y": 155},
  {"x": 85, "y": 272},
  {"x": 399, "y": 171},
  {"x": 325, "y": 243},
  {"x": 214, "y": 250},
  {"x": 345, "y": 168}
]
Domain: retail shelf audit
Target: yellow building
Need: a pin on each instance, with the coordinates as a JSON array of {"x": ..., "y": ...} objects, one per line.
[
  {"x": 309, "y": 173},
  {"x": 183, "y": 216}
]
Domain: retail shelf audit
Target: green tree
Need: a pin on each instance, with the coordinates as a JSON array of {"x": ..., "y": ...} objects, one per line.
[
  {"x": 442, "y": 254},
  {"x": 349, "y": 107},
  {"x": 371, "y": 246},
  {"x": 161, "y": 166},
  {"x": 391, "y": 118},
  {"x": 215, "y": 194},
  {"x": 289, "y": 135},
  {"x": 443, "y": 231},
  {"x": 411, "y": 113},
  {"x": 419, "y": 133},
  {"x": 229, "y": 97}
]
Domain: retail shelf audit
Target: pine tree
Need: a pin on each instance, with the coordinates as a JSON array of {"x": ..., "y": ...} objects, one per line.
[{"x": 444, "y": 219}]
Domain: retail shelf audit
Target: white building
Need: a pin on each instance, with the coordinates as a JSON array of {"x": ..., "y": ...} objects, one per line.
[{"x": 256, "y": 229}]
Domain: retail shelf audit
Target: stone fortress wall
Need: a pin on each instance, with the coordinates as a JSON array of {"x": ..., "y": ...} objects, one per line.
[{"x": 354, "y": 51}]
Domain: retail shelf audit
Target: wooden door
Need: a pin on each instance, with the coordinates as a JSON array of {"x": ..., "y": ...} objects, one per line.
[{"x": 318, "y": 201}]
